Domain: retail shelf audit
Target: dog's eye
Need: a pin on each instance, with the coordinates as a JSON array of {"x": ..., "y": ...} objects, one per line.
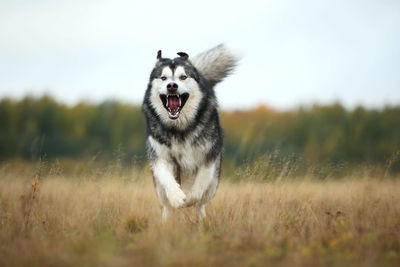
[
  {"x": 183, "y": 77},
  {"x": 163, "y": 78}
]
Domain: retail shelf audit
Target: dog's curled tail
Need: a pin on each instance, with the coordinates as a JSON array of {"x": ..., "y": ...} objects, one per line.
[{"x": 217, "y": 63}]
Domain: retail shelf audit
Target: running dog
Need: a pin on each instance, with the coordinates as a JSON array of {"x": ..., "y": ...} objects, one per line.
[{"x": 184, "y": 136}]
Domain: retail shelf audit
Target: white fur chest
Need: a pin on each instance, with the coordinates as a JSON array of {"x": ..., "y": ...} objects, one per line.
[{"x": 189, "y": 157}]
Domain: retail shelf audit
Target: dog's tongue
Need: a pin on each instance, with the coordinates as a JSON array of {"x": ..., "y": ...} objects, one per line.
[{"x": 173, "y": 102}]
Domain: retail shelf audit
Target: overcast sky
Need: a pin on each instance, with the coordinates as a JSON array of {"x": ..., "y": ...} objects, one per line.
[{"x": 294, "y": 52}]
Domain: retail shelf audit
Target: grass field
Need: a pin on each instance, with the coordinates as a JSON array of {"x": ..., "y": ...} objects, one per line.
[{"x": 115, "y": 221}]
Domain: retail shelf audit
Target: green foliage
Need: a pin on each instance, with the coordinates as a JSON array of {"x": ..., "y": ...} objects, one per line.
[
  {"x": 33, "y": 127},
  {"x": 319, "y": 134}
]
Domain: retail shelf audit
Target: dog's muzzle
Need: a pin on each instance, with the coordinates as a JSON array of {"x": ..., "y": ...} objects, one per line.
[{"x": 174, "y": 103}]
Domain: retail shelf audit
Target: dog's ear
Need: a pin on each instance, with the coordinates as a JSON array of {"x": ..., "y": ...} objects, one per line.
[
  {"x": 159, "y": 55},
  {"x": 183, "y": 55}
]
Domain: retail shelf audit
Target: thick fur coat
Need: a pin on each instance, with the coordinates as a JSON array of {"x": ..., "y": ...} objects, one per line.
[{"x": 184, "y": 136}]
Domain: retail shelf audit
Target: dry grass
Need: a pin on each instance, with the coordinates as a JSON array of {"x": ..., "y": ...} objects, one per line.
[{"x": 112, "y": 222}]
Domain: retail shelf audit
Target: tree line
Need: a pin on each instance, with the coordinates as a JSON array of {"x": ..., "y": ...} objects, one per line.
[{"x": 32, "y": 127}]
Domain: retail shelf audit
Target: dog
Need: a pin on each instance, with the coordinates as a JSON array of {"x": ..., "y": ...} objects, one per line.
[{"x": 184, "y": 137}]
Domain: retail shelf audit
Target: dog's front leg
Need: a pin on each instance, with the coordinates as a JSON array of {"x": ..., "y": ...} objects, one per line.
[
  {"x": 164, "y": 177},
  {"x": 203, "y": 179}
]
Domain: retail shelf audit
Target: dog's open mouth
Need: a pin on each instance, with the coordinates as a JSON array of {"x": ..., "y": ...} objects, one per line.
[{"x": 174, "y": 103}]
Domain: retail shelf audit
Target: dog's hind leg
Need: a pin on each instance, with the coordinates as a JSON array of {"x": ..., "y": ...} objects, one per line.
[
  {"x": 201, "y": 212},
  {"x": 165, "y": 213}
]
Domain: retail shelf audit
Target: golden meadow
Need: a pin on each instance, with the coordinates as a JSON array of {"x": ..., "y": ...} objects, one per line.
[{"x": 308, "y": 187}]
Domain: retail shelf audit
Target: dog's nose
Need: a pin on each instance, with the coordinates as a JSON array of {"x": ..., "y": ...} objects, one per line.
[{"x": 172, "y": 86}]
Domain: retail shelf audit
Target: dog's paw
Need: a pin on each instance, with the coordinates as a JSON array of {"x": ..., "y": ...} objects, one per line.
[
  {"x": 192, "y": 198},
  {"x": 176, "y": 197}
]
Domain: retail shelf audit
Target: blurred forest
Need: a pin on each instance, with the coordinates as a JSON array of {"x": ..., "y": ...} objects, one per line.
[{"x": 33, "y": 127}]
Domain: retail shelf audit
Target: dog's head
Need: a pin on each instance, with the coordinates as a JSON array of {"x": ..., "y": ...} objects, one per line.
[{"x": 175, "y": 92}]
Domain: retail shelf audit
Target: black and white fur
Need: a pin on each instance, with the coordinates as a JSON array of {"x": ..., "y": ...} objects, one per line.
[{"x": 184, "y": 136}]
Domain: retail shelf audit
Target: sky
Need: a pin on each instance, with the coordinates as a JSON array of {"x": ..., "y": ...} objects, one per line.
[{"x": 293, "y": 52}]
